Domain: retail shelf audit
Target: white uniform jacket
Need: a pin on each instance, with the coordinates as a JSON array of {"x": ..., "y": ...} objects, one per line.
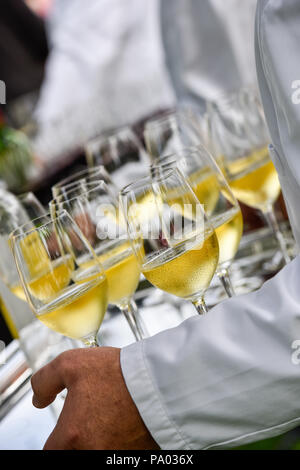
[{"x": 233, "y": 376}]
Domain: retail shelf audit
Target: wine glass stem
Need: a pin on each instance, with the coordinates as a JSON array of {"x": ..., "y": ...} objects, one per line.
[
  {"x": 200, "y": 306},
  {"x": 134, "y": 320},
  {"x": 91, "y": 341},
  {"x": 224, "y": 277},
  {"x": 273, "y": 224}
]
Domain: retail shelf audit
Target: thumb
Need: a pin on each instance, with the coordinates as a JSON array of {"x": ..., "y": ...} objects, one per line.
[{"x": 48, "y": 382}]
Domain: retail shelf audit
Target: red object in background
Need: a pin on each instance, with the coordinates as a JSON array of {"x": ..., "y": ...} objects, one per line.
[
  {"x": 40, "y": 7},
  {"x": 2, "y": 119}
]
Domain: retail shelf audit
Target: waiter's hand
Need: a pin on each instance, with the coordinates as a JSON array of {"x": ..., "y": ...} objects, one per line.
[{"x": 99, "y": 412}]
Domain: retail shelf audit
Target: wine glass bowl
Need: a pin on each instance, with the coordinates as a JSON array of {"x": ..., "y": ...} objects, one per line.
[
  {"x": 120, "y": 152},
  {"x": 95, "y": 211},
  {"x": 170, "y": 133},
  {"x": 219, "y": 203},
  {"x": 15, "y": 211},
  {"x": 239, "y": 135},
  {"x": 171, "y": 236},
  {"x": 31, "y": 205},
  {"x": 80, "y": 178},
  {"x": 64, "y": 283},
  {"x": 254, "y": 180}
]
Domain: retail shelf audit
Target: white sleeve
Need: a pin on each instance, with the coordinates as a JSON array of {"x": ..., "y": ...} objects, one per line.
[
  {"x": 233, "y": 376},
  {"x": 225, "y": 379},
  {"x": 277, "y": 51},
  {"x": 194, "y": 33}
]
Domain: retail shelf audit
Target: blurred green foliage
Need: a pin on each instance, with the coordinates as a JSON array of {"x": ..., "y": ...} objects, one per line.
[
  {"x": 15, "y": 158},
  {"x": 288, "y": 441}
]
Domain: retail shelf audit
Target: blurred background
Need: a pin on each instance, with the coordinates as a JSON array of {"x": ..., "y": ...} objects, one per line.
[{"x": 77, "y": 70}]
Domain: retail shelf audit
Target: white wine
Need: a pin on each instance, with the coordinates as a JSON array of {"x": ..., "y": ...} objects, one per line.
[
  {"x": 67, "y": 300},
  {"x": 254, "y": 180},
  {"x": 79, "y": 313},
  {"x": 229, "y": 229},
  {"x": 48, "y": 283},
  {"x": 18, "y": 291},
  {"x": 206, "y": 187},
  {"x": 185, "y": 270},
  {"x": 122, "y": 271},
  {"x": 35, "y": 254},
  {"x": 144, "y": 208}
]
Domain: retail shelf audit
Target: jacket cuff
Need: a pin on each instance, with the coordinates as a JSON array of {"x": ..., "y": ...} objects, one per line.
[{"x": 146, "y": 396}]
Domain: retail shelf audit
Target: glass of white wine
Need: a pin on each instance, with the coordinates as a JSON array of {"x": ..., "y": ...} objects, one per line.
[
  {"x": 240, "y": 139},
  {"x": 171, "y": 236},
  {"x": 219, "y": 203},
  {"x": 95, "y": 210},
  {"x": 15, "y": 211},
  {"x": 63, "y": 280}
]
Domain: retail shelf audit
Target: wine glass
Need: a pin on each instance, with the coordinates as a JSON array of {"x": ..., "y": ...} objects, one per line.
[
  {"x": 219, "y": 203},
  {"x": 97, "y": 173},
  {"x": 176, "y": 133},
  {"x": 15, "y": 211},
  {"x": 121, "y": 153},
  {"x": 32, "y": 205},
  {"x": 64, "y": 282},
  {"x": 95, "y": 211},
  {"x": 170, "y": 133},
  {"x": 171, "y": 236},
  {"x": 38, "y": 343},
  {"x": 11, "y": 215},
  {"x": 239, "y": 136}
]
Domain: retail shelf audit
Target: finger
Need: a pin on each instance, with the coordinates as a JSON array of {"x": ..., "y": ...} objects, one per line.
[{"x": 47, "y": 383}]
